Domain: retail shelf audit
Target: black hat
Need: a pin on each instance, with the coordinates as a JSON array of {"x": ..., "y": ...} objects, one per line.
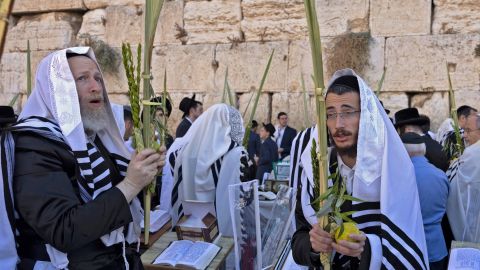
[
  {"x": 168, "y": 105},
  {"x": 412, "y": 138},
  {"x": 409, "y": 116},
  {"x": 270, "y": 128},
  {"x": 254, "y": 124},
  {"x": 386, "y": 110},
  {"x": 186, "y": 104},
  {"x": 7, "y": 115}
]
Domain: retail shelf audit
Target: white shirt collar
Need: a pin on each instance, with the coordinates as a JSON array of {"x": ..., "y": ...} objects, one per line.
[{"x": 347, "y": 173}]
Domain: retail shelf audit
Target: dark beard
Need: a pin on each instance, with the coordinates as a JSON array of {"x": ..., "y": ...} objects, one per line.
[{"x": 350, "y": 151}]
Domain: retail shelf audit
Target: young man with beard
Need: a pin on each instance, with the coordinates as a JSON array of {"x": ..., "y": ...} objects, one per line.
[
  {"x": 375, "y": 168},
  {"x": 74, "y": 181}
]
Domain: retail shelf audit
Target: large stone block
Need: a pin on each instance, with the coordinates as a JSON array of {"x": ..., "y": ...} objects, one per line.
[
  {"x": 456, "y": 16},
  {"x": 419, "y": 63},
  {"x": 48, "y": 31},
  {"x": 170, "y": 16},
  {"x": 189, "y": 67},
  {"x": 434, "y": 105},
  {"x": 212, "y": 21},
  {"x": 337, "y": 17},
  {"x": 274, "y": 20},
  {"x": 293, "y": 104},
  {"x": 124, "y": 24},
  {"x": 362, "y": 53},
  {"x": 94, "y": 4},
  {"x": 35, "y": 6},
  {"x": 264, "y": 107},
  {"x": 468, "y": 97},
  {"x": 399, "y": 18},
  {"x": 394, "y": 101},
  {"x": 246, "y": 64},
  {"x": 93, "y": 24}
]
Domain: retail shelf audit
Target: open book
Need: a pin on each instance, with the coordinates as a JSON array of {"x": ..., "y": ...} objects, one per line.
[
  {"x": 158, "y": 218},
  {"x": 188, "y": 254},
  {"x": 464, "y": 256}
]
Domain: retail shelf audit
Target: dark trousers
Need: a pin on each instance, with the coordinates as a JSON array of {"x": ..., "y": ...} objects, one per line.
[{"x": 440, "y": 265}]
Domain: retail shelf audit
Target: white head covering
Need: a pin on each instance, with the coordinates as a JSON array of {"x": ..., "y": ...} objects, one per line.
[
  {"x": 463, "y": 206},
  {"x": 55, "y": 98},
  {"x": 208, "y": 157},
  {"x": 383, "y": 173}
]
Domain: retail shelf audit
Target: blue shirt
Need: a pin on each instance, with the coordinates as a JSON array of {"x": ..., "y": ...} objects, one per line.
[{"x": 433, "y": 187}]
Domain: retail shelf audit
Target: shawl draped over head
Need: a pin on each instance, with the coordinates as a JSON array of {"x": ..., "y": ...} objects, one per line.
[
  {"x": 384, "y": 178},
  {"x": 464, "y": 198},
  {"x": 206, "y": 160},
  {"x": 54, "y": 105}
]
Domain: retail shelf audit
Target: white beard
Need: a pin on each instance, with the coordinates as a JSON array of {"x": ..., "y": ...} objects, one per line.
[{"x": 94, "y": 121}]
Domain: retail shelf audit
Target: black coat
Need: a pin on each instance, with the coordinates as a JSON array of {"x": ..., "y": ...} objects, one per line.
[
  {"x": 47, "y": 198},
  {"x": 254, "y": 144},
  {"x": 435, "y": 154},
  {"x": 268, "y": 154},
  {"x": 288, "y": 136},
  {"x": 182, "y": 128}
]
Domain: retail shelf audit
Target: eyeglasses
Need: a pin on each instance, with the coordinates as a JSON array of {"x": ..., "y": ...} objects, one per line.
[
  {"x": 467, "y": 130},
  {"x": 343, "y": 115}
]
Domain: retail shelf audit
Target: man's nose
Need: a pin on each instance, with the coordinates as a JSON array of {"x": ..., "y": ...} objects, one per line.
[
  {"x": 95, "y": 86},
  {"x": 339, "y": 121}
]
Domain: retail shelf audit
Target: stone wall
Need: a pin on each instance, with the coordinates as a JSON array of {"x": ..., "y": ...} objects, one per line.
[{"x": 197, "y": 40}]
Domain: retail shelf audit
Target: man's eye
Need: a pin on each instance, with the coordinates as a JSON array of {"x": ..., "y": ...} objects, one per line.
[{"x": 81, "y": 78}]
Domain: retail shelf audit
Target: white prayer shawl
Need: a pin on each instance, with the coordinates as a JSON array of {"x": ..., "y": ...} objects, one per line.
[
  {"x": 55, "y": 97},
  {"x": 384, "y": 178},
  {"x": 206, "y": 160},
  {"x": 117, "y": 111},
  {"x": 463, "y": 205},
  {"x": 443, "y": 131},
  {"x": 8, "y": 251}
]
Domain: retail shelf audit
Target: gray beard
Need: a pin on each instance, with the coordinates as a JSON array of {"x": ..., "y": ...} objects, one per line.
[{"x": 94, "y": 121}]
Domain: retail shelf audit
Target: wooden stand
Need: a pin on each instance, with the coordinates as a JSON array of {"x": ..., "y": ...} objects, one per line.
[
  {"x": 154, "y": 236},
  {"x": 159, "y": 246}
]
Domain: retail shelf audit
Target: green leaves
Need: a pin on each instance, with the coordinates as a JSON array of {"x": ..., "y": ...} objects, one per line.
[
  {"x": 380, "y": 83},
  {"x": 459, "y": 147}
]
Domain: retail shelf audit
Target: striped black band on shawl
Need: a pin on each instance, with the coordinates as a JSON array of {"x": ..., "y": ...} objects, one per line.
[
  {"x": 453, "y": 169},
  {"x": 95, "y": 171},
  {"x": 215, "y": 168},
  {"x": 7, "y": 143}
]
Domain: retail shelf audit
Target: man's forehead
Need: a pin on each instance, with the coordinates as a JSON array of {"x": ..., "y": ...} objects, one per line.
[
  {"x": 82, "y": 63},
  {"x": 350, "y": 99}
]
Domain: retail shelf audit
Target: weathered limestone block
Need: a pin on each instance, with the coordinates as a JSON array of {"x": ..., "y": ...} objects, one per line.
[
  {"x": 124, "y": 24},
  {"x": 362, "y": 53},
  {"x": 93, "y": 24},
  {"x": 274, "y": 20},
  {"x": 36, "y": 6},
  {"x": 398, "y": 18},
  {"x": 170, "y": 16},
  {"x": 337, "y": 17},
  {"x": 468, "y": 97},
  {"x": 213, "y": 21},
  {"x": 48, "y": 31},
  {"x": 434, "y": 105},
  {"x": 419, "y": 63},
  {"x": 394, "y": 101},
  {"x": 246, "y": 64},
  {"x": 12, "y": 78},
  {"x": 263, "y": 113},
  {"x": 293, "y": 104},
  {"x": 94, "y": 4},
  {"x": 189, "y": 67},
  {"x": 456, "y": 16}
]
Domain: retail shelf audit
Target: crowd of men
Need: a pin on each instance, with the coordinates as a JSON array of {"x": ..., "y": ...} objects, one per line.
[{"x": 72, "y": 180}]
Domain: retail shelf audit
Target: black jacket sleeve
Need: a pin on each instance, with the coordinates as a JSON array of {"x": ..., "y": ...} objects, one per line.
[{"x": 45, "y": 194}]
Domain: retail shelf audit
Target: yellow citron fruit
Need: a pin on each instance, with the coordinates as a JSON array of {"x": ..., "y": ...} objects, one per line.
[{"x": 348, "y": 228}]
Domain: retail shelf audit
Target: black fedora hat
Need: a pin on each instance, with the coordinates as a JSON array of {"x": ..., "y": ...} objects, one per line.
[
  {"x": 7, "y": 115},
  {"x": 269, "y": 127},
  {"x": 409, "y": 116},
  {"x": 186, "y": 104}
]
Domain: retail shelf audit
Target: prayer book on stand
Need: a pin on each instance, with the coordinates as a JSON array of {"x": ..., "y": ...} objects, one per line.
[
  {"x": 464, "y": 255},
  {"x": 188, "y": 254}
]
